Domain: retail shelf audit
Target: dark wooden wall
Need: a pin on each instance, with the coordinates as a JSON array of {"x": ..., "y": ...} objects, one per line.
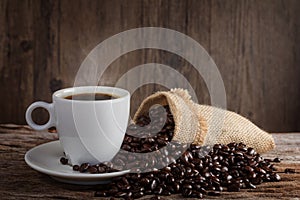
[{"x": 255, "y": 44}]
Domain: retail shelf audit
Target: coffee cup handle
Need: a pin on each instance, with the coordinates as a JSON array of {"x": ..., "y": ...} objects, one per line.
[{"x": 40, "y": 104}]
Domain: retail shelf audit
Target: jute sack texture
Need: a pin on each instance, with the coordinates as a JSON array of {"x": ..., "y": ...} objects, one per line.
[
  {"x": 235, "y": 128},
  {"x": 207, "y": 125}
]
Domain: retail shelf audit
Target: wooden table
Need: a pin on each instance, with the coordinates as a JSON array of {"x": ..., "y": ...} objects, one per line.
[{"x": 17, "y": 180}]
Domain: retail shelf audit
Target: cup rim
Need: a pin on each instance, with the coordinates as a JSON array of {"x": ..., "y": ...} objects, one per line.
[{"x": 70, "y": 91}]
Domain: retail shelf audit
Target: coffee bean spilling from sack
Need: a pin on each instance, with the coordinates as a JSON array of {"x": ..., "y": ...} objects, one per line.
[
  {"x": 196, "y": 171},
  {"x": 151, "y": 132}
]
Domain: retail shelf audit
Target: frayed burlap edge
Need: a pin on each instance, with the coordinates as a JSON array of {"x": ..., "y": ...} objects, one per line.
[{"x": 203, "y": 128}]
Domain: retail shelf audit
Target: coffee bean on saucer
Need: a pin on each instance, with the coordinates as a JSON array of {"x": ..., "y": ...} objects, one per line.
[
  {"x": 84, "y": 167},
  {"x": 76, "y": 167},
  {"x": 52, "y": 130},
  {"x": 92, "y": 169},
  {"x": 101, "y": 169},
  {"x": 63, "y": 160}
]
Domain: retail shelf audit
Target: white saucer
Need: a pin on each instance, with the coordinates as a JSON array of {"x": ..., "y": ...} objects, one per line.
[{"x": 45, "y": 159}]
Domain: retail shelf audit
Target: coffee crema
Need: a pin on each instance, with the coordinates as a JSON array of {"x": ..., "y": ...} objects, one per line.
[{"x": 91, "y": 97}]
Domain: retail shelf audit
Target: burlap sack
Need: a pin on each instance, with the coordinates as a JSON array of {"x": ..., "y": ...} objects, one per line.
[
  {"x": 225, "y": 127},
  {"x": 235, "y": 128},
  {"x": 189, "y": 125},
  {"x": 207, "y": 125}
]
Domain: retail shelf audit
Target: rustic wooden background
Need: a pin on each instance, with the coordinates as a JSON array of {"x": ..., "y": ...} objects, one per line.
[{"x": 255, "y": 44}]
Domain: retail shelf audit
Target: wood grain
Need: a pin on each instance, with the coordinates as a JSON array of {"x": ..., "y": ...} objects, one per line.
[
  {"x": 255, "y": 45},
  {"x": 17, "y": 59},
  {"x": 17, "y": 180}
]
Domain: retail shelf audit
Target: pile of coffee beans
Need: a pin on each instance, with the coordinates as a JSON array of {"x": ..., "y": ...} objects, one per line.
[
  {"x": 176, "y": 168},
  {"x": 231, "y": 167}
]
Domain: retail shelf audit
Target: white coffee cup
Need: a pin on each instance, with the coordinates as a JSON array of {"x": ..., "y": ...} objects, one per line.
[{"x": 89, "y": 131}]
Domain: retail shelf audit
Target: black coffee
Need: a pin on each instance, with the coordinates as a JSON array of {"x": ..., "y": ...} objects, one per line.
[{"x": 91, "y": 97}]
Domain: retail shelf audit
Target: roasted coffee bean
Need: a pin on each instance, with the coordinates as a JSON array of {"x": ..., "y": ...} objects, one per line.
[
  {"x": 137, "y": 195},
  {"x": 113, "y": 190},
  {"x": 84, "y": 167},
  {"x": 252, "y": 163},
  {"x": 129, "y": 195},
  {"x": 101, "y": 194},
  {"x": 275, "y": 177},
  {"x": 258, "y": 158},
  {"x": 256, "y": 181},
  {"x": 176, "y": 187},
  {"x": 92, "y": 170},
  {"x": 144, "y": 181},
  {"x": 289, "y": 171},
  {"x": 170, "y": 179},
  {"x": 197, "y": 194},
  {"x": 52, "y": 130},
  {"x": 234, "y": 187},
  {"x": 120, "y": 194},
  {"x": 267, "y": 160},
  {"x": 219, "y": 188},
  {"x": 260, "y": 170},
  {"x": 156, "y": 198},
  {"x": 224, "y": 169},
  {"x": 148, "y": 192},
  {"x": 158, "y": 190},
  {"x": 76, "y": 167},
  {"x": 101, "y": 169},
  {"x": 63, "y": 160},
  {"x": 217, "y": 146},
  {"x": 138, "y": 189},
  {"x": 187, "y": 186},
  {"x": 250, "y": 185},
  {"x": 126, "y": 187},
  {"x": 228, "y": 177},
  {"x": 249, "y": 169},
  {"x": 153, "y": 184},
  {"x": 252, "y": 175},
  {"x": 214, "y": 193},
  {"x": 251, "y": 151},
  {"x": 170, "y": 189},
  {"x": 166, "y": 193},
  {"x": 187, "y": 193}
]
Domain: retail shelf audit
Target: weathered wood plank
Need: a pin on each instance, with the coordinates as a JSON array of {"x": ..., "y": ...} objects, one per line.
[
  {"x": 17, "y": 180},
  {"x": 17, "y": 41},
  {"x": 251, "y": 41}
]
